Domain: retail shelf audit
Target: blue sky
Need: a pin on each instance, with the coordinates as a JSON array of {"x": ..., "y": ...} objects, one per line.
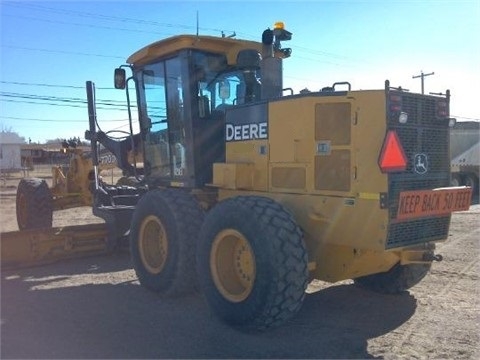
[{"x": 49, "y": 50}]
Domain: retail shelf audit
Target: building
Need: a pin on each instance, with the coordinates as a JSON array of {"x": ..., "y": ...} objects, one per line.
[
  {"x": 10, "y": 153},
  {"x": 46, "y": 154}
]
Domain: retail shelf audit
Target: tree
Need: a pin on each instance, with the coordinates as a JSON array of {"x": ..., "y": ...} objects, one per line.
[{"x": 72, "y": 141}]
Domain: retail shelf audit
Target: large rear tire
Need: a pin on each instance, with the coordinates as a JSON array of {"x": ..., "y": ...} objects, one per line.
[
  {"x": 396, "y": 280},
  {"x": 34, "y": 204},
  {"x": 456, "y": 180},
  {"x": 165, "y": 225},
  {"x": 252, "y": 262},
  {"x": 472, "y": 181}
]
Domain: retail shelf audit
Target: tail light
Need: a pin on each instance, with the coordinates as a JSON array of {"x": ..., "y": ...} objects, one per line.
[
  {"x": 442, "y": 109},
  {"x": 392, "y": 156},
  {"x": 395, "y": 106},
  {"x": 395, "y": 103}
]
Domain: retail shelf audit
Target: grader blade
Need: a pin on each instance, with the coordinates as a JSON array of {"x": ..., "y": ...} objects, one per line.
[{"x": 40, "y": 246}]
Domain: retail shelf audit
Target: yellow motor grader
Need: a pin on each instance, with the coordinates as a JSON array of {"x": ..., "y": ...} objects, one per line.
[
  {"x": 36, "y": 202},
  {"x": 72, "y": 186},
  {"x": 253, "y": 191}
]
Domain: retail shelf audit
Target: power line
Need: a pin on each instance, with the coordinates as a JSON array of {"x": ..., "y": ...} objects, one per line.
[
  {"x": 112, "y": 18},
  {"x": 54, "y": 104},
  {"x": 123, "y": 57},
  {"x": 151, "y": 23},
  {"x": 61, "y": 52},
  {"x": 87, "y": 25},
  {"x": 56, "y": 120},
  {"x": 118, "y": 103},
  {"x": 82, "y": 105},
  {"x": 54, "y": 85},
  {"x": 101, "y": 104}
]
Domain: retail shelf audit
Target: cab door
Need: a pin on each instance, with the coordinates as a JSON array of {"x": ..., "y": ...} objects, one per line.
[{"x": 164, "y": 115}]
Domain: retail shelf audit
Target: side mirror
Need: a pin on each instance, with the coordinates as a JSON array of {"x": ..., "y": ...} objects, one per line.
[{"x": 120, "y": 78}]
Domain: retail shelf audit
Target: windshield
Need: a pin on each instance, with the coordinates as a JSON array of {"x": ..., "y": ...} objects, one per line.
[
  {"x": 221, "y": 84},
  {"x": 179, "y": 94}
]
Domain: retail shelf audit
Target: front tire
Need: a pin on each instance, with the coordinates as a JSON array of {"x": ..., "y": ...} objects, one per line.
[
  {"x": 252, "y": 262},
  {"x": 165, "y": 225},
  {"x": 398, "y": 279},
  {"x": 34, "y": 204}
]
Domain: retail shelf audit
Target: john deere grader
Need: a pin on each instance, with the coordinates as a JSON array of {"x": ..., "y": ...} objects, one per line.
[
  {"x": 36, "y": 202},
  {"x": 252, "y": 190}
]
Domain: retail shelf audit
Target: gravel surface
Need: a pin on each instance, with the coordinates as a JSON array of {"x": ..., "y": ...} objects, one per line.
[{"x": 94, "y": 308}]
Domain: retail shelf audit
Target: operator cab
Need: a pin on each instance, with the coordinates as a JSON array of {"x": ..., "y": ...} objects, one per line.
[
  {"x": 185, "y": 85},
  {"x": 182, "y": 102}
]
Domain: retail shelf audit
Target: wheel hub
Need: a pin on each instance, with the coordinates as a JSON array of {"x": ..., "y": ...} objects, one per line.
[
  {"x": 153, "y": 244},
  {"x": 232, "y": 264}
]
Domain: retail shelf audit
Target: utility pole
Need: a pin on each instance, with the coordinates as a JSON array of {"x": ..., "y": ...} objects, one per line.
[{"x": 422, "y": 76}]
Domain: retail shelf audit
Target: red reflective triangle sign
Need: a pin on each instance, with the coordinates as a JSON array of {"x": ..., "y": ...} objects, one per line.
[{"x": 392, "y": 156}]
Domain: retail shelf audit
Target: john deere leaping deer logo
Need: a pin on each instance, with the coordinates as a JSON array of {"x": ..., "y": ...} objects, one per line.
[{"x": 420, "y": 163}]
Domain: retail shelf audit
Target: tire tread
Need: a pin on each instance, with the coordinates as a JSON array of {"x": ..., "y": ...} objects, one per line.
[
  {"x": 39, "y": 204},
  {"x": 288, "y": 258}
]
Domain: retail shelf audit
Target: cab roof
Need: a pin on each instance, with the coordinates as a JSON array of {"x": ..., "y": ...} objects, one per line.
[{"x": 220, "y": 45}]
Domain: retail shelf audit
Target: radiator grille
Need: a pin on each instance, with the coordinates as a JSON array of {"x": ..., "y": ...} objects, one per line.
[
  {"x": 433, "y": 141},
  {"x": 421, "y": 110},
  {"x": 417, "y": 231},
  {"x": 424, "y": 133}
]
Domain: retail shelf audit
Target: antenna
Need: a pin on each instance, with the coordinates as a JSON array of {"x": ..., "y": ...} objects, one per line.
[{"x": 197, "y": 23}]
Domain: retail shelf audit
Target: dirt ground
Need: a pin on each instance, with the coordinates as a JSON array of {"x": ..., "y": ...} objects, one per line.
[{"x": 94, "y": 308}]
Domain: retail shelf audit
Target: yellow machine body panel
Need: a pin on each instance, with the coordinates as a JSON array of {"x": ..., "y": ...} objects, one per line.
[{"x": 321, "y": 161}]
